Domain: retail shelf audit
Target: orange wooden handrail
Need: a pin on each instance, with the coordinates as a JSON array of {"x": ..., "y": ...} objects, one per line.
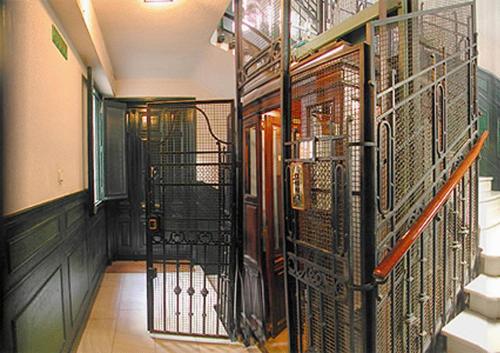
[{"x": 390, "y": 261}]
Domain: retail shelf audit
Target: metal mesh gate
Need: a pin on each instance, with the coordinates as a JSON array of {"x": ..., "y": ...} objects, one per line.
[
  {"x": 190, "y": 205},
  {"x": 323, "y": 255},
  {"x": 423, "y": 70}
]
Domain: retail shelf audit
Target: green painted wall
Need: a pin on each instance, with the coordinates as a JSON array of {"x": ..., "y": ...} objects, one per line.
[{"x": 54, "y": 255}]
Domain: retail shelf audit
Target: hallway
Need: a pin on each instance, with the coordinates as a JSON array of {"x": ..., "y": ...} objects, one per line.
[{"x": 117, "y": 322}]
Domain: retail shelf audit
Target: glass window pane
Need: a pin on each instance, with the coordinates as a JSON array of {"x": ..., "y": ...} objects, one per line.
[
  {"x": 252, "y": 160},
  {"x": 276, "y": 184}
]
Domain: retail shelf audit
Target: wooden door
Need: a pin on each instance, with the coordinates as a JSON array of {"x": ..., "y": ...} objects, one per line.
[
  {"x": 253, "y": 315},
  {"x": 272, "y": 224}
]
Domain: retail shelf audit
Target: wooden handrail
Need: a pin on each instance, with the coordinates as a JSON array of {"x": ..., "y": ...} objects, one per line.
[{"x": 402, "y": 246}]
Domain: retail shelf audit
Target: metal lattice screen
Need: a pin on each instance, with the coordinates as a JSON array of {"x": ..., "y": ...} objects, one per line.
[
  {"x": 260, "y": 35},
  {"x": 424, "y": 68},
  {"x": 190, "y": 192},
  {"x": 323, "y": 257}
]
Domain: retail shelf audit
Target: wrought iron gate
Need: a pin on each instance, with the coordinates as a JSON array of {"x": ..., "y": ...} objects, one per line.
[{"x": 189, "y": 205}]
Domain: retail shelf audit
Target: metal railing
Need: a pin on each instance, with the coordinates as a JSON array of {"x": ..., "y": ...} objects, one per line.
[{"x": 450, "y": 188}]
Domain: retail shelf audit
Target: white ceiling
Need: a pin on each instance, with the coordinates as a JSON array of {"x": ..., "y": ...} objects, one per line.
[{"x": 157, "y": 41}]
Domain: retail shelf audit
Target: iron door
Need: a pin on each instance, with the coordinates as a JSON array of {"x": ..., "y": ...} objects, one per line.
[{"x": 190, "y": 229}]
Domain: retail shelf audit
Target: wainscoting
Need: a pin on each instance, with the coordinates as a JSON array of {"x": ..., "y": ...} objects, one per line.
[{"x": 52, "y": 259}]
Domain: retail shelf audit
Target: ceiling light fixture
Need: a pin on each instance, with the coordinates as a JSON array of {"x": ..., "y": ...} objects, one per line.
[{"x": 158, "y": 1}]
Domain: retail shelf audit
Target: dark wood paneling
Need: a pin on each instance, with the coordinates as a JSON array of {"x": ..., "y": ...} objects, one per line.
[
  {"x": 78, "y": 283},
  {"x": 56, "y": 254},
  {"x": 39, "y": 328},
  {"x": 26, "y": 245}
]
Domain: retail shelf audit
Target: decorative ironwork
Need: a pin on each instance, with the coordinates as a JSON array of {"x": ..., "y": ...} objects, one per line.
[
  {"x": 323, "y": 247},
  {"x": 190, "y": 193},
  {"x": 423, "y": 99}
]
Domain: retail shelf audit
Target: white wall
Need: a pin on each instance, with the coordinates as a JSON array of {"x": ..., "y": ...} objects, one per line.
[
  {"x": 488, "y": 28},
  {"x": 214, "y": 78},
  {"x": 44, "y": 127}
]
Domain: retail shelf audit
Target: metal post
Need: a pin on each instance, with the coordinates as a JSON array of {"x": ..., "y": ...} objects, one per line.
[
  {"x": 237, "y": 243},
  {"x": 368, "y": 213},
  {"x": 285, "y": 137},
  {"x": 149, "y": 242}
]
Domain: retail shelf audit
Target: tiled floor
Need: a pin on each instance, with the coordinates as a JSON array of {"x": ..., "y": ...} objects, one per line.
[{"x": 117, "y": 322}]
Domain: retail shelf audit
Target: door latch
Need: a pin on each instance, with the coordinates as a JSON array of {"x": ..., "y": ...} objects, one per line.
[{"x": 154, "y": 223}]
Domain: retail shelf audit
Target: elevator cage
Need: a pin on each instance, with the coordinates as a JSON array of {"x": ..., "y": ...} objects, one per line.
[{"x": 378, "y": 117}]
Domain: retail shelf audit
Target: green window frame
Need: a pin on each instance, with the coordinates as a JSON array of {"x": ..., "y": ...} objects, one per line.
[{"x": 98, "y": 148}]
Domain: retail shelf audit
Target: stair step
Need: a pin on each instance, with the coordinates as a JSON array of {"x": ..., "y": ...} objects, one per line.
[
  {"x": 485, "y": 183},
  {"x": 470, "y": 332},
  {"x": 490, "y": 264},
  {"x": 484, "y": 294},
  {"x": 489, "y": 209}
]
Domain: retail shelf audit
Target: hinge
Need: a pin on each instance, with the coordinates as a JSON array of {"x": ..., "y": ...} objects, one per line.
[{"x": 152, "y": 273}]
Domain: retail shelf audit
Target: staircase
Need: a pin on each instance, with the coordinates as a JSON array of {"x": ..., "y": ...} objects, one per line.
[{"x": 477, "y": 329}]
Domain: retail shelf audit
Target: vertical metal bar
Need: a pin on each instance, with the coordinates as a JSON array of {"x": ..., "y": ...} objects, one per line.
[
  {"x": 423, "y": 296},
  {"x": 191, "y": 314},
  {"x": 324, "y": 324},
  {"x": 164, "y": 276},
  {"x": 236, "y": 256},
  {"x": 368, "y": 212},
  {"x": 445, "y": 260},
  {"x": 219, "y": 244},
  {"x": 291, "y": 285},
  {"x": 177, "y": 290},
  {"x": 149, "y": 240},
  {"x": 320, "y": 15},
  {"x": 205, "y": 291},
  {"x": 463, "y": 231},
  {"x": 435, "y": 172}
]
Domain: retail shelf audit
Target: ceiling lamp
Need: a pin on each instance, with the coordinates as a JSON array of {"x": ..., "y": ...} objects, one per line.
[{"x": 158, "y": 1}]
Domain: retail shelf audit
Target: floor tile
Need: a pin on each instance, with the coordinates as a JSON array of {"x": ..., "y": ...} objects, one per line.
[
  {"x": 132, "y": 344},
  {"x": 112, "y": 280},
  {"x": 98, "y": 336},
  {"x": 169, "y": 346},
  {"x": 106, "y": 303}
]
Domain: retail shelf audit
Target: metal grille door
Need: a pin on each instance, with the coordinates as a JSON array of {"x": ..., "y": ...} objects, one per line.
[
  {"x": 190, "y": 244},
  {"x": 323, "y": 256},
  {"x": 424, "y": 68}
]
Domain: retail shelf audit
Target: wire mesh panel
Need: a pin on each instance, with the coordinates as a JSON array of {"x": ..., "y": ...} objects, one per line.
[
  {"x": 260, "y": 36},
  {"x": 423, "y": 70},
  {"x": 260, "y": 32},
  {"x": 323, "y": 253},
  {"x": 190, "y": 218},
  {"x": 310, "y": 18}
]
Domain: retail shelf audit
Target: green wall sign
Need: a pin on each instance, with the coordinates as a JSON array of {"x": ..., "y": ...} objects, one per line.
[{"x": 59, "y": 42}]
